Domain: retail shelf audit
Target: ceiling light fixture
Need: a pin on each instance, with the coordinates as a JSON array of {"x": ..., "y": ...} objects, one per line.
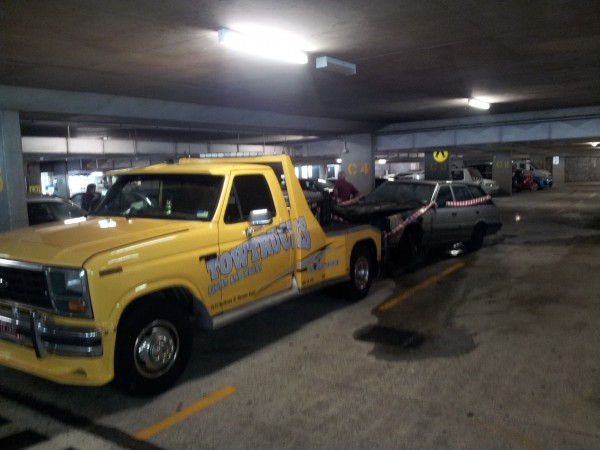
[
  {"x": 335, "y": 65},
  {"x": 263, "y": 46},
  {"x": 473, "y": 102}
]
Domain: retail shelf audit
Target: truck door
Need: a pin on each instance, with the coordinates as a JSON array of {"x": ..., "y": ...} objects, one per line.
[{"x": 253, "y": 261}]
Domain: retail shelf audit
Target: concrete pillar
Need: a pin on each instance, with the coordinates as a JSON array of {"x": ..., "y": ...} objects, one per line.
[
  {"x": 13, "y": 208},
  {"x": 502, "y": 171},
  {"x": 437, "y": 165},
  {"x": 358, "y": 161},
  {"x": 558, "y": 170},
  {"x": 34, "y": 177}
]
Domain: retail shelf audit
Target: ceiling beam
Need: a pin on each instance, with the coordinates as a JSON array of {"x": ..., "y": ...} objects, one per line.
[{"x": 63, "y": 103}]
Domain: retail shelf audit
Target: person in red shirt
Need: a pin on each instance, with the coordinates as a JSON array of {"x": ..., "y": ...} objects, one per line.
[{"x": 344, "y": 190}]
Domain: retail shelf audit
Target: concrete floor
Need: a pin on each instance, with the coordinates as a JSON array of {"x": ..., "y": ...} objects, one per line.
[{"x": 499, "y": 349}]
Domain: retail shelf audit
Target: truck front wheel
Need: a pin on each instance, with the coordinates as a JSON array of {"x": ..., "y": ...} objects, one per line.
[
  {"x": 361, "y": 272},
  {"x": 153, "y": 346}
]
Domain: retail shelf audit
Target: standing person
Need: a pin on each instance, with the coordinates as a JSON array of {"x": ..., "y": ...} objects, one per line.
[
  {"x": 91, "y": 198},
  {"x": 344, "y": 190}
]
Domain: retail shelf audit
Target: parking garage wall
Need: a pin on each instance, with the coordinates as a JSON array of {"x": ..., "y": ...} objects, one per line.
[{"x": 582, "y": 169}]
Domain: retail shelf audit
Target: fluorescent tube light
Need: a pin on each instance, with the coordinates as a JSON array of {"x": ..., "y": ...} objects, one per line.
[
  {"x": 262, "y": 46},
  {"x": 335, "y": 65},
  {"x": 478, "y": 104}
]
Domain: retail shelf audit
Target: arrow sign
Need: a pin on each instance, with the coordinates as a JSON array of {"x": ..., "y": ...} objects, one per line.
[{"x": 440, "y": 155}]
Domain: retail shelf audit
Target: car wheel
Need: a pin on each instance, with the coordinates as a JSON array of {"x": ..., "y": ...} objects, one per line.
[
  {"x": 153, "y": 345},
  {"x": 476, "y": 241},
  {"x": 409, "y": 247},
  {"x": 535, "y": 186},
  {"x": 361, "y": 272}
]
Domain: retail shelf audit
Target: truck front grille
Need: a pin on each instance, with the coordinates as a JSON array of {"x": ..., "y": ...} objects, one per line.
[{"x": 24, "y": 285}]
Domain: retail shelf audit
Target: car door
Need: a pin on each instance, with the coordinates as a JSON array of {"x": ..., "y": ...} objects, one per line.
[
  {"x": 454, "y": 220},
  {"x": 443, "y": 222},
  {"x": 466, "y": 212},
  {"x": 486, "y": 210},
  {"x": 254, "y": 261}
]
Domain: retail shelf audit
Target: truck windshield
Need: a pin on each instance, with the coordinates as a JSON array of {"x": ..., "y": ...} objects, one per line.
[
  {"x": 163, "y": 196},
  {"x": 401, "y": 192}
]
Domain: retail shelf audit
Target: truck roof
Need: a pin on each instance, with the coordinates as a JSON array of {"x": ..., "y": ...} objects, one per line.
[{"x": 216, "y": 168}]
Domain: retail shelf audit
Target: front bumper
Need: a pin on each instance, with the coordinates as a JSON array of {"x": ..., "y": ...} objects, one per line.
[
  {"x": 32, "y": 343},
  {"x": 32, "y": 329}
]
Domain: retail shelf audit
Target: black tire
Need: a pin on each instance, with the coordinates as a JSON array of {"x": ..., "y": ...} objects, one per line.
[
  {"x": 409, "y": 249},
  {"x": 362, "y": 269},
  {"x": 154, "y": 342},
  {"x": 476, "y": 241},
  {"x": 535, "y": 186}
]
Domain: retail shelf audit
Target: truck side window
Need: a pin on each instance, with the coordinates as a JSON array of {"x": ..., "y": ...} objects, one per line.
[
  {"x": 249, "y": 192},
  {"x": 233, "y": 212}
]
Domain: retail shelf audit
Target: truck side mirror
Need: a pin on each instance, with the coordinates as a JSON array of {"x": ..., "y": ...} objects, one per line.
[{"x": 260, "y": 217}]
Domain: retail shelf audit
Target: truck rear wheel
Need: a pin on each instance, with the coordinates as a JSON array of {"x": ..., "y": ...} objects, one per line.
[
  {"x": 361, "y": 272},
  {"x": 153, "y": 346}
]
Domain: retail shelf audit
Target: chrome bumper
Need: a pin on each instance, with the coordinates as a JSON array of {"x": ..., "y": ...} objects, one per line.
[{"x": 32, "y": 330}]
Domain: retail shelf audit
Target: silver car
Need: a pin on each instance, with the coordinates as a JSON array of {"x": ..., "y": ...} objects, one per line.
[
  {"x": 44, "y": 209},
  {"x": 414, "y": 215}
]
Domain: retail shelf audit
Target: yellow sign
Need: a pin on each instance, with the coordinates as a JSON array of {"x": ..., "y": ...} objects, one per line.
[
  {"x": 353, "y": 168},
  {"x": 440, "y": 155}
]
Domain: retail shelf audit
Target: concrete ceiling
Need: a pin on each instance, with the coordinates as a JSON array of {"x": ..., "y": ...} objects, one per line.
[{"x": 416, "y": 60}]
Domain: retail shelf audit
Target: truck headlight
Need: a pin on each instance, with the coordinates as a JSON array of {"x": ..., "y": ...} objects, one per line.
[{"x": 69, "y": 291}]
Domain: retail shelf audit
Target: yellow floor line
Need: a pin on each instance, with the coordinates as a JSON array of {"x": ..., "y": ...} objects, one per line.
[
  {"x": 419, "y": 287},
  {"x": 184, "y": 413}
]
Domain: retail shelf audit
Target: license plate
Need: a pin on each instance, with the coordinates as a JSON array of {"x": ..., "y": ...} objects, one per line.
[{"x": 8, "y": 330}]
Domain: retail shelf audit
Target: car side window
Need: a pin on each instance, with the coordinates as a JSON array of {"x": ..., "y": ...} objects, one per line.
[
  {"x": 476, "y": 191},
  {"x": 249, "y": 192},
  {"x": 461, "y": 193},
  {"x": 444, "y": 195},
  {"x": 39, "y": 213}
]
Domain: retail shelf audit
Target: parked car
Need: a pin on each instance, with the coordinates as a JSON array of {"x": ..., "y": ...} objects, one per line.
[
  {"x": 541, "y": 177},
  {"x": 45, "y": 208},
  {"x": 316, "y": 185},
  {"x": 77, "y": 198},
  {"x": 472, "y": 175},
  {"x": 416, "y": 175},
  {"x": 313, "y": 188},
  {"x": 522, "y": 180},
  {"x": 467, "y": 174},
  {"x": 416, "y": 215}
]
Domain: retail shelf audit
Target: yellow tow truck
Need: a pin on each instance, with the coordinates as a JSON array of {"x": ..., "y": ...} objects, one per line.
[{"x": 204, "y": 241}]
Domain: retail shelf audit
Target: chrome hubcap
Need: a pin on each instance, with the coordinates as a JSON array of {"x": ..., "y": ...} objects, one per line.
[
  {"x": 361, "y": 273},
  {"x": 156, "y": 349}
]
